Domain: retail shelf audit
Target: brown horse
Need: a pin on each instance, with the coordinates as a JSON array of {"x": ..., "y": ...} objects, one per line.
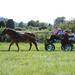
[{"x": 17, "y": 37}]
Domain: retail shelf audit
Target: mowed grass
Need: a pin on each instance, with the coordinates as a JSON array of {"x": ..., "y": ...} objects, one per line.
[{"x": 35, "y": 62}]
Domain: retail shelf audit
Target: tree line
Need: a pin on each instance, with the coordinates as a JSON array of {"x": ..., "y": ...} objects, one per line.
[
  {"x": 59, "y": 22},
  {"x": 37, "y": 26},
  {"x": 10, "y": 23}
]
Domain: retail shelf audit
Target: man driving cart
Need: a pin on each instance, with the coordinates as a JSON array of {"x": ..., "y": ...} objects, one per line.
[{"x": 62, "y": 36}]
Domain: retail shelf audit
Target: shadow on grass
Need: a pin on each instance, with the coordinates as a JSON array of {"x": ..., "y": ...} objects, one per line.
[
  {"x": 22, "y": 50},
  {"x": 7, "y": 50}
]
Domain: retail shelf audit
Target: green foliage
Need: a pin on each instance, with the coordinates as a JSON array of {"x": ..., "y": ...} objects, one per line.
[
  {"x": 68, "y": 25},
  {"x": 21, "y": 24},
  {"x": 32, "y": 23},
  {"x": 40, "y": 25},
  {"x": 10, "y": 24},
  {"x": 42, "y": 35},
  {"x": 2, "y": 24},
  {"x": 31, "y": 29},
  {"x": 59, "y": 20},
  {"x": 43, "y": 25}
]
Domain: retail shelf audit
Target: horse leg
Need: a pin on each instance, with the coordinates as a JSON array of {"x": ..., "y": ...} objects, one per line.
[
  {"x": 30, "y": 46},
  {"x": 10, "y": 45},
  {"x": 36, "y": 45},
  {"x": 17, "y": 45}
]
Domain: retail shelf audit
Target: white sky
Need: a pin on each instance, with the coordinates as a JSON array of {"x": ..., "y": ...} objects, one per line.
[{"x": 42, "y": 10}]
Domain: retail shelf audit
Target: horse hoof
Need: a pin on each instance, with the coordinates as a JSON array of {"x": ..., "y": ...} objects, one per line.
[
  {"x": 37, "y": 50},
  {"x": 29, "y": 49},
  {"x": 17, "y": 50}
]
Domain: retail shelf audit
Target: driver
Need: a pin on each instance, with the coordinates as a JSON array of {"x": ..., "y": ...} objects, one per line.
[{"x": 56, "y": 33}]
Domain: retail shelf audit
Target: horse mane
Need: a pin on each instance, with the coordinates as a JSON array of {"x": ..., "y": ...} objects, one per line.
[{"x": 13, "y": 32}]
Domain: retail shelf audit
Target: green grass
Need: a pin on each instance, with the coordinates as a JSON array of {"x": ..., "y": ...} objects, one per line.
[{"x": 35, "y": 62}]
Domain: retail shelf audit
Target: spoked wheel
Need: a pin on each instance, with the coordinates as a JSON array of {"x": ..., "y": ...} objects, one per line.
[
  {"x": 49, "y": 47},
  {"x": 67, "y": 47}
]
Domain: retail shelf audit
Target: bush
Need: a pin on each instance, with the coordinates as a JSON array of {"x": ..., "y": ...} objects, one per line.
[{"x": 42, "y": 36}]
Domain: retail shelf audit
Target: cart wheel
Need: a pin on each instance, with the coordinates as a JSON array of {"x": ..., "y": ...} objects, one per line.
[
  {"x": 49, "y": 47},
  {"x": 67, "y": 47}
]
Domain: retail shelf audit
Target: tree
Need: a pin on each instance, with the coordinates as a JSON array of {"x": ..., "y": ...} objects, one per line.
[
  {"x": 10, "y": 24},
  {"x": 37, "y": 23},
  {"x": 68, "y": 25},
  {"x": 21, "y": 24},
  {"x": 49, "y": 26},
  {"x": 43, "y": 25},
  {"x": 59, "y": 20},
  {"x": 2, "y": 24},
  {"x": 32, "y": 23}
]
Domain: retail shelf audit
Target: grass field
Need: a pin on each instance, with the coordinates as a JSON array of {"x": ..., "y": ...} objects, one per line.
[{"x": 35, "y": 62}]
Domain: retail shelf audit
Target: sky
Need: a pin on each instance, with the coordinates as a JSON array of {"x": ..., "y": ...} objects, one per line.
[{"x": 42, "y": 10}]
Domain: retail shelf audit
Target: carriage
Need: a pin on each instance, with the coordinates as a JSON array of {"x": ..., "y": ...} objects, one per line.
[{"x": 65, "y": 46}]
